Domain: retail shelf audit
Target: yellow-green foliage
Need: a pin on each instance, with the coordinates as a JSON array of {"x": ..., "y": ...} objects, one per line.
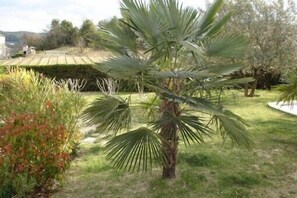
[{"x": 29, "y": 92}]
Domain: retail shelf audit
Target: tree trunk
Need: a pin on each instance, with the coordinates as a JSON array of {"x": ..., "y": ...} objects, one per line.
[
  {"x": 246, "y": 85},
  {"x": 246, "y": 90},
  {"x": 169, "y": 137},
  {"x": 254, "y": 86}
]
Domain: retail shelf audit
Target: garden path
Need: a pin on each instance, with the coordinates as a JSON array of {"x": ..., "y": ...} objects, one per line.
[{"x": 290, "y": 108}]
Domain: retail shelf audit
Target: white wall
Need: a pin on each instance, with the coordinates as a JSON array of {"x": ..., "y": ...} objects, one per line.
[
  {"x": 2, "y": 40},
  {"x": 2, "y": 47}
]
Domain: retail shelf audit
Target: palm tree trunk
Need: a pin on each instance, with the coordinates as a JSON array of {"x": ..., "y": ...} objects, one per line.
[{"x": 169, "y": 138}]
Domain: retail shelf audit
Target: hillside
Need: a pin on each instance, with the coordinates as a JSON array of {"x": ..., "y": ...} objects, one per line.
[{"x": 16, "y": 38}]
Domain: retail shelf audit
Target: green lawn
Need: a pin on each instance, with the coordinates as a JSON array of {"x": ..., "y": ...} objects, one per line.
[{"x": 205, "y": 170}]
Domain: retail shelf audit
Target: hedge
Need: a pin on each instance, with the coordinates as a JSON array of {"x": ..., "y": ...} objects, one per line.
[{"x": 80, "y": 72}]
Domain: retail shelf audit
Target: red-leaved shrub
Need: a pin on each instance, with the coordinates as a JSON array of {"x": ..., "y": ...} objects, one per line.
[{"x": 31, "y": 146}]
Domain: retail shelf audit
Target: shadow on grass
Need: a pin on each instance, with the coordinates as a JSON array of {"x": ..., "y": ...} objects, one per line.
[
  {"x": 195, "y": 160},
  {"x": 240, "y": 179},
  {"x": 94, "y": 150}
]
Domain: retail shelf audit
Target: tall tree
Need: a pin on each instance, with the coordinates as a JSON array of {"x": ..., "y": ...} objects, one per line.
[
  {"x": 178, "y": 42},
  {"x": 270, "y": 27},
  {"x": 54, "y": 35},
  {"x": 88, "y": 31},
  {"x": 60, "y": 34},
  {"x": 70, "y": 34}
]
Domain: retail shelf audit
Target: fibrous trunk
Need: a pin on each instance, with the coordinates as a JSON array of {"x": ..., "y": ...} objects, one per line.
[{"x": 169, "y": 137}]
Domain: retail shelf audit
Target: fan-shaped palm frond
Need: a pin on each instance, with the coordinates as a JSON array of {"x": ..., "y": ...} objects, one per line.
[
  {"x": 230, "y": 125},
  {"x": 198, "y": 50},
  {"x": 205, "y": 23},
  {"x": 151, "y": 106},
  {"x": 108, "y": 113},
  {"x": 177, "y": 74},
  {"x": 121, "y": 39},
  {"x": 180, "y": 21},
  {"x": 217, "y": 26},
  {"x": 225, "y": 46},
  {"x": 144, "y": 20},
  {"x": 123, "y": 67},
  {"x": 135, "y": 150},
  {"x": 215, "y": 83},
  {"x": 224, "y": 69},
  {"x": 191, "y": 128},
  {"x": 202, "y": 104},
  {"x": 289, "y": 90}
]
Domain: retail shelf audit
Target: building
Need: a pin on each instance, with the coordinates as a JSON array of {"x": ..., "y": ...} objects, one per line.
[{"x": 3, "y": 51}]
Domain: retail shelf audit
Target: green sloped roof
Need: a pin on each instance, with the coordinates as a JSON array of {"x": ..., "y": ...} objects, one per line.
[{"x": 48, "y": 60}]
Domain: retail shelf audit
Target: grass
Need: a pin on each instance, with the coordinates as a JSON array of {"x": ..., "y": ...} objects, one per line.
[{"x": 204, "y": 170}]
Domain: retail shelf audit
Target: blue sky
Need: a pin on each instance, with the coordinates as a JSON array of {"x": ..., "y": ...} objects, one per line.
[{"x": 36, "y": 15}]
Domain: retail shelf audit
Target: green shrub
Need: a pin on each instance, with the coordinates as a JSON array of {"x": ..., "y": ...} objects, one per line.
[
  {"x": 38, "y": 130},
  {"x": 28, "y": 92},
  {"x": 2, "y": 70},
  {"x": 19, "y": 54},
  {"x": 32, "y": 152}
]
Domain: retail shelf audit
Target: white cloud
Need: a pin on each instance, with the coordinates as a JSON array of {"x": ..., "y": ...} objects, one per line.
[{"x": 36, "y": 15}]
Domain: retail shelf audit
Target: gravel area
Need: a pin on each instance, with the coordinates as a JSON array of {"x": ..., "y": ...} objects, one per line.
[{"x": 285, "y": 107}]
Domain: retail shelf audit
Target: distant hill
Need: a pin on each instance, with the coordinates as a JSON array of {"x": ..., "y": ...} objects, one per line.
[{"x": 16, "y": 38}]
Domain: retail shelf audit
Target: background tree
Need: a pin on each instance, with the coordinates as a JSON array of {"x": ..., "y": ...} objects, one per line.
[
  {"x": 60, "y": 34},
  {"x": 33, "y": 40},
  {"x": 54, "y": 35},
  {"x": 270, "y": 27},
  {"x": 70, "y": 34},
  {"x": 88, "y": 31},
  {"x": 106, "y": 22},
  {"x": 178, "y": 42}
]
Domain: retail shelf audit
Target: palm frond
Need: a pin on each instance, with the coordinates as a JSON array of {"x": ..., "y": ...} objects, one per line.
[
  {"x": 289, "y": 90},
  {"x": 229, "y": 46},
  {"x": 122, "y": 67},
  {"x": 216, "y": 27},
  {"x": 151, "y": 106},
  {"x": 209, "y": 17},
  {"x": 231, "y": 125},
  {"x": 202, "y": 104},
  {"x": 142, "y": 18},
  {"x": 198, "y": 50},
  {"x": 224, "y": 69},
  {"x": 215, "y": 83},
  {"x": 108, "y": 113},
  {"x": 118, "y": 37},
  {"x": 177, "y": 74},
  {"x": 180, "y": 20},
  {"x": 191, "y": 128},
  {"x": 137, "y": 150}
]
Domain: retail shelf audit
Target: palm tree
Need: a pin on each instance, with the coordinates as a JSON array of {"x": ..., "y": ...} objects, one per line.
[{"x": 173, "y": 61}]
